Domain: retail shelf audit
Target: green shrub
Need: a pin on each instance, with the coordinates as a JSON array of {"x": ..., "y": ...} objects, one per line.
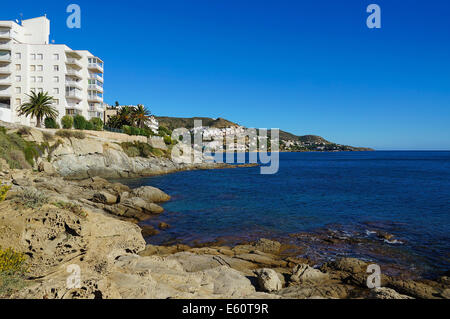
[
  {"x": 12, "y": 270},
  {"x": 12, "y": 261},
  {"x": 145, "y": 132},
  {"x": 17, "y": 152},
  {"x": 138, "y": 149},
  {"x": 51, "y": 123},
  {"x": 135, "y": 131},
  {"x": 31, "y": 153},
  {"x": 167, "y": 140},
  {"x": 89, "y": 126},
  {"x": 126, "y": 129},
  {"x": 97, "y": 123},
  {"x": 68, "y": 134},
  {"x": 67, "y": 122},
  {"x": 164, "y": 131},
  {"x": 79, "y": 122},
  {"x": 32, "y": 198},
  {"x": 4, "y": 189}
]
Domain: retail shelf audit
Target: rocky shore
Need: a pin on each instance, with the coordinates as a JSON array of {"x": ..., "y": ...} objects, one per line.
[
  {"x": 91, "y": 223},
  {"x": 61, "y": 216}
]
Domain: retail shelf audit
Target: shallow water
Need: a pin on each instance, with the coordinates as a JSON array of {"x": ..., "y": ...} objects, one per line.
[{"x": 354, "y": 195}]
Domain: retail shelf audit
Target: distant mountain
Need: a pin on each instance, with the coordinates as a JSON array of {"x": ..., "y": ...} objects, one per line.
[{"x": 289, "y": 141}]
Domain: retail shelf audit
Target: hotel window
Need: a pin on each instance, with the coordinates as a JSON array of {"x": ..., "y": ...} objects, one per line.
[
  {"x": 40, "y": 57},
  {"x": 56, "y": 57},
  {"x": 40, "y": 68},
  {"x": 33, "y": 56},
  {"x": 32, "y": 68},
  {"x": 18, "y": 101},
  {"x": 40, "y": 90},
  {"x": 55, "y": 91},
  {"x": 18, "y": 56},
  {"x": 18, "y": 78},
  {"x": 18, "y": 90},
  {"x": 18, "y": 67},
  {"x": 56, "y": 79},
  {"x": 33, "y": 90},
  {"x": 40, "y": 79},
  {"x": 33, "y": 79},
  {"x": 56, "y": 68},
  {"x": 56, "y": 101}
]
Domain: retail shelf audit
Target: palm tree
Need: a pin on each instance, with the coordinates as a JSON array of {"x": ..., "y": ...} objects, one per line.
[
  {"x": 141, "y": 115},
  {"x": 125, "y": 115},
  {"x": 39, "y": 106}
]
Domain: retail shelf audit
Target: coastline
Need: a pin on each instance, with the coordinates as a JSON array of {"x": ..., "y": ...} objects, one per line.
[
  {"x": 55, "y": 221},
  {"x": 101, "y": 237}
]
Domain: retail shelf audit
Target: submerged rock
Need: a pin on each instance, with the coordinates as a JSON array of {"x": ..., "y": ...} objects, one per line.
[{"x": 268, "y": 246}]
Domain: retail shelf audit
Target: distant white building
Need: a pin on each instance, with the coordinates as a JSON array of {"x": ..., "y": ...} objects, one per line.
[
  {"x": 28, "y": 62},
  {"x": 153, "y": 124}
]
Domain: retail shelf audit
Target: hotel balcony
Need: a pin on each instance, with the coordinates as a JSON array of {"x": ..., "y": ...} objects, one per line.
[
  {"x": 5, "y": 57},
  {"x": 5, "y": 45},
  {"x": 97, "y": 107},
  {"x": 95, "y": 98},
  {"x": 96, "y": 67},
  {"x": 5, "y": 34},
  {"x": 74, "y": 106},
  {"x": 95, "y": 87},
  {"x": 5, "y": 93},
  {"x": 74, "y": 95},
  {"x": 96, "y": 76},
  {"x": 74, "y": 62},
  {"x": 74, "y": 84},
  {"x": 74, "y": 73},
  {"x": 5, "y": 69},
  {"x": 5, "y": 81}
]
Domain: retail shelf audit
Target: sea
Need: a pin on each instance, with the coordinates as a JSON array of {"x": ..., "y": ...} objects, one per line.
[{"x": 388, "y": 207}]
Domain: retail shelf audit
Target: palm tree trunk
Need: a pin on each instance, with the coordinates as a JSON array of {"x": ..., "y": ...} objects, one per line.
[{"x": 38, "y": 122}]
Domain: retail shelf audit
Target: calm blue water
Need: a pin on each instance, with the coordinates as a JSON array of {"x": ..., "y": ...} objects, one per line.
[{"x": 404, "y": 193}]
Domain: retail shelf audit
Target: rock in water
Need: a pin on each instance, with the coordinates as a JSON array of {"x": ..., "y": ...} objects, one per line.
[
  {"x": 151, "y": 194},
  {"x": 306, "y": 274},
  {"x": 163, "y": 226},
  {"x": 268, "y": 246},
  {"x": 268, "y": 280}
]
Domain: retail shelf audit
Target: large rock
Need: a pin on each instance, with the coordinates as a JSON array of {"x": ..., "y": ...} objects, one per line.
[
  {"x": 350, "y": 265},
  {"x": 142, "y": 205},
  {"x": 326, "y": 291},
  {"x": 268, "y": 280},
  {"x": 305, "y": 274},
  {"x": 157, "y": 142},
  {"x": 415, "y": 289},
  {"x": 151, "y": 194},
  {"x": 105, "y": 198},
  {"x": 387, "y": 293},
  {"x": 46, "y": 167}
]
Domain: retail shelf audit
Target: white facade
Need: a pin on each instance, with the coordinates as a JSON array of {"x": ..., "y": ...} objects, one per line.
[{"x": 74, "y": 78}]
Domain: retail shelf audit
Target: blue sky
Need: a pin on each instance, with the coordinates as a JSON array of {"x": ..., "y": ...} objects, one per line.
[{"x": 307, "y": 67}]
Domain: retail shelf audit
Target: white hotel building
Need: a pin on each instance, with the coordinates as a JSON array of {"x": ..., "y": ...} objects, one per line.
[{"x": 28, "y": 62}]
